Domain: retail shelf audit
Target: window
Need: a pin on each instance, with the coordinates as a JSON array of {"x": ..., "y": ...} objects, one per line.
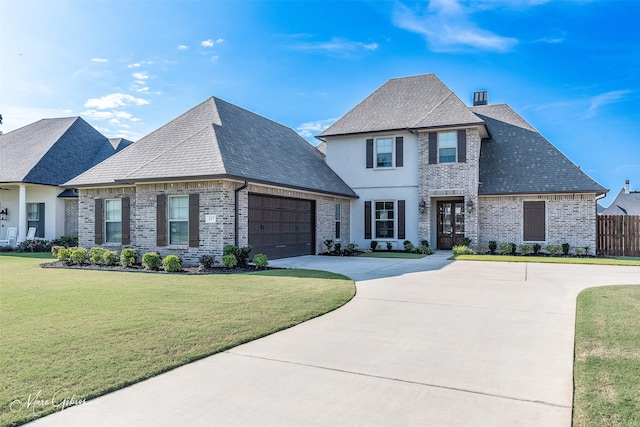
[
  {"x": 179, "y": 220},
  {"x": 384, "y": 220},
  {"x": 338, "y": 221},
  {"x": 384, "y": 152},
  {"x": 534, "y": 221},
  {"x": 33, "y": 216},
  {"x": 447, "y": 143},
  {"x": 113, "y": 221}
]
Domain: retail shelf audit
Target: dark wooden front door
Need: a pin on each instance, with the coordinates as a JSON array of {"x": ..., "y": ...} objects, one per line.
[
  {"x": 450, "y": 224},
  {"x": 281, "y": 227}
]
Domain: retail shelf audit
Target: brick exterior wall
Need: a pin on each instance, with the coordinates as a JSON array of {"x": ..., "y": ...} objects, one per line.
[
  {"x": 570, "y": 218},
  {"x": 71, "y": 217},
  {"x": 448, "y": 181},
  {"x": 216, "y": 198}
]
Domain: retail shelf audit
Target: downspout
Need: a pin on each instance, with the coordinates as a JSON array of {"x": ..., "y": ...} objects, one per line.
[
  {"x": 237, "y": 190},
  {"x": 597, "y": 249}
]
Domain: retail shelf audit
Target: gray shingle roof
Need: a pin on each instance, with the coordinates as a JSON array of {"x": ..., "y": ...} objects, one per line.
[
  {"x": 217, "y": 139},
  {"x": 119, "y": 143},
  {"x": 624, "y": 204},
  {"x": 51, "y": 151},
  {"x": 417, "y": 102},
  {"x": 519, "y": 160}
]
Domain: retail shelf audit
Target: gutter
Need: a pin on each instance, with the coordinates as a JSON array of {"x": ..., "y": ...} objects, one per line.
[{"x": 237, "y": 190}]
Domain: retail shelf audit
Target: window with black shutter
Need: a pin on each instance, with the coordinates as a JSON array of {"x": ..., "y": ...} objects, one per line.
[{"x": 534, "y": 221}]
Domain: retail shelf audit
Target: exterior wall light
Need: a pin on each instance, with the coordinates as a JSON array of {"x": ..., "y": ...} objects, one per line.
[
  {"x": 422, "y": 206},
  {"x": 3, "y": 214},
  {"x": 469, "y": 206}
]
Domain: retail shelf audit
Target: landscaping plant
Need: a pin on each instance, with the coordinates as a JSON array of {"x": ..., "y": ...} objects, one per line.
[
  {"x": 207, "y": 261},
  {"x": 229, "y": 261},
  {"x": 493, "y": 245},
  {"x": 110, "y": 257},
  {"x": 171, "y": 263},
  {"x": 127, "y": 257},
  {"x": 260, "y": 261},
  {"x": 151, "y": 260},
  {"x": 79, "y": 256},
  {"x": 96, "y": 255}
]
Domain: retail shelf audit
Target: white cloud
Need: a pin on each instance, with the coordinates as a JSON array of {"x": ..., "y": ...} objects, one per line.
[
  {"x": 207, "y": 43},
  {"x": 114, "y": 100},
  {"x": 140, "y": 76},
  {"x": 142, "y": 89},
  {"x": 447, "y": 27},
  {"x": 102, "y": 60},
  {"x": 604, "y": 99},
  {"x": 136, "y": 65},
  {"x": 337, "y": 46},
  {"x": 310, "y": 129},
  {"x": 183, "y": 47},
  {"x": 219, "y": 41},
  {"x": 214, "y": 58}
]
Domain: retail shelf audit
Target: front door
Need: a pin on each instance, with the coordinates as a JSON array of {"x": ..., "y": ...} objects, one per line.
[{"x": 450, "y": 224}]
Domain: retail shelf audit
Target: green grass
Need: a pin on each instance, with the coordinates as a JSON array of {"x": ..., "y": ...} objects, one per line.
[
  {"x": 389, "y": 254},
  {"x": 86, "y": 333},
  {"x": 607, "y": 357},
  {"x": 552, "y": 260}
]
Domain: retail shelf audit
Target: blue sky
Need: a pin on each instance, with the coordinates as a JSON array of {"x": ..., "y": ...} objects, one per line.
[{"x": 570, "y": 68}]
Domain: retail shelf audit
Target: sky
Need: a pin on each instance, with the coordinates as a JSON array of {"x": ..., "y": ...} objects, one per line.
[{"x": 571, "y": 68}]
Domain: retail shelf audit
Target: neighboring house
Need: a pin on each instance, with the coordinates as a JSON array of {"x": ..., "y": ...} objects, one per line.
[
  {"x": 626, "y": 203},
  {"x": 34, "y": 161},
  {"x": 216, "y": 175},
  {"x": 426, "y": 166},
  {"x": 119, "y": 143}
]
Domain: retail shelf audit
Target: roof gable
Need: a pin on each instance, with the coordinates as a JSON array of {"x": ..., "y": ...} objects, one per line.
[
  {"x": 519, "y": 160},
  {"x": 624, "y": 204},
  {"x": 415, "y": 102}
]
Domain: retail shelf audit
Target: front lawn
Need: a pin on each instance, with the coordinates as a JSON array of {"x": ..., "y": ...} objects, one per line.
[
  {"x": 77, "y": 334},
  {"x": 607, "y": 357},
  {"x": 549, "y": 259}
]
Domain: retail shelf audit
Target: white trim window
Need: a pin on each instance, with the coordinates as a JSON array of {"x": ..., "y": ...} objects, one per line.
[
  {"x": 33, "y": 215},
  {"x": 178, "y": 220},
  {"x": 384, "y": 220},
  {"x": 447, "y": 147},
  {"x": 113, "y": 220},
  {"x": 338, "y": 221},
  {"x": 384, "y": 152}
]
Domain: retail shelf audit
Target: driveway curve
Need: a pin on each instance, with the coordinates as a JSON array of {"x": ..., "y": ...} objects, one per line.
[{"x": 426, "y": 342}]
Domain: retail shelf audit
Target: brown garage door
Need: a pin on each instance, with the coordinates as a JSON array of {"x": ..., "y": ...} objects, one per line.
[{"x": 280, "y": 227}]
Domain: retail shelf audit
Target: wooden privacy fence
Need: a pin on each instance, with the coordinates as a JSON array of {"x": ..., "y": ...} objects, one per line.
[{"x": 619, "y": 235}]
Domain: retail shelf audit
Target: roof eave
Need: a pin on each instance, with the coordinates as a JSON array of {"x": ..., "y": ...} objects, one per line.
[
  {"x": 530, "y": 193},
  {"x": 322, "y": 137}
]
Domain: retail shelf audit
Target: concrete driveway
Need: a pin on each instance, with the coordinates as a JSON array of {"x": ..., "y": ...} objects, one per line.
[{"x": 425, "y": 342}]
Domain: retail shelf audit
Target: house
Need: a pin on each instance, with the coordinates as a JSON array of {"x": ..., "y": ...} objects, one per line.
[
  {"x": 427, "y": 167},
  {"x": 216, "y": 175},
  {"x": 35, "y": 161},
  {"x": 626, "y": 203}
]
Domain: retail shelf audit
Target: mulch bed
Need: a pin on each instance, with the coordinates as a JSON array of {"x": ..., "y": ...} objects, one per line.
[{"x": 141, "y": 269}]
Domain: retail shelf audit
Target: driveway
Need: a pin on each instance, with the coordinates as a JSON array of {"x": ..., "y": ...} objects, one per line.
[{"x": 424, "y": 343}]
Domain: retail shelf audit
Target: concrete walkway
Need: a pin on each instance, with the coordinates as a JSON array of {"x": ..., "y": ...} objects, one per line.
[{"x": 424, "y": 343}]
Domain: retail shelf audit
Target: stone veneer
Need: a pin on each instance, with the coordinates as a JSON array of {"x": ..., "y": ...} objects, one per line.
[
  {"x": 570, "y": 218},
  {"x": 217, "y": 197},
  {"x": 71, "y": 217},
  {"x": 448, "y": 181}
]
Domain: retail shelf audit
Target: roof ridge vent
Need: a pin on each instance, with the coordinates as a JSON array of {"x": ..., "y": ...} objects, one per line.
[{"x": 480, "y": 98}]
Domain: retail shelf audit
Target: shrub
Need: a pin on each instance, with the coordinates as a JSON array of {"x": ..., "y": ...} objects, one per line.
[
  {"x": 329, "y": 244},
  {"x": 504, "y": 248},
  {"x": 207, "y": 261},
  {"x": 110, "y": 257},
  {"x": 151, "y": 260},
  {"x": 514, "y": 247},
  {"x": 96, "y": 255},
  {"x": 463, "y": 250},
  {"x": 35, "y": 245},
  {"x": 389, "y": 246},
  {"x": 260, "y": 261},
  {"x": 55, "y": 249},
  {"x": 493, "y": 245},
  {"x": 78, "y": 256},
  {"x": 586, "y": 250},
  {"x": 525, "y": 249},
  {"x": 171, "y": 263},
  {"x": 466, "y": 242},
  {"x": 64, "y": 254},
  {"x": 127, "y": 257},
  {"x": 337, "y": 247},
  {"x": 424, "y": 242},
  {"x": 66, "y": 241},
  {"x": 229, "y": 261},
  {"x": 424, "y": 249},
  {"x": 241, "y": 254},
  {"x": 350, "y": 249},
  {"x": 374, "y": 245},
  {"x": 578, "y": 251},
  {"x": 408, "y": 246},
  {"x": 565, "y": 248},
  {"x": 553, "y": 249},
  {"x": 536, "y": 248}
]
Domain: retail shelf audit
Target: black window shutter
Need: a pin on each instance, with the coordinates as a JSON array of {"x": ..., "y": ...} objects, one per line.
[
  {"x": 369, "y": 153},
  {"x": 194, "y": 220},
  {"x": 401, "y": 221},
  {"x": 399, "y": 151},
  {"x": 367, "y": 220},
  {"x": 40, "y": 229},
  {"x": 126, "y": 221},
  {"x": 462, "y": 146},
  {"x": 433, "y": 148},
  {"x": 99, "y": 222},
  {"x": 161, "y": 220},
  {"x": 534, "y": 221}
]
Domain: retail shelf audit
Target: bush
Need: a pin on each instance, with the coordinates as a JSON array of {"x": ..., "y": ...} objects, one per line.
[
  {"x": 408, "y": 246},
  {"x": 171, "y": 263},
  {"x": 110, "y": 257},
  {"x": 565, "y": 248},
  {"x": 337, "y": 248},
  {"x": 374, "y": 245},
  {"x": 578, "y": 251},
  {"x": 586, "y": 249},
  {"x": 260, "y": 261},
  {"x": 536, "y": 248},
  {"x": 493, "y": 245},
  {"x": 151, "y": 260},
  {"x": 55, "y": 249},
  {"x": 229, "y": 261},
  {"x": 553, "y": 249},
  {"x": 96, "y": 255},
  {"x": 207, "y": 261},
  {"x": 64, "y": 254},
  {"x": 329, "y": 244},
  {"x": 463, "y": 250},
  {"x": 525, "y": 249},
  {"x": 424, "y": 249},
  {"x": 389, "y": 246},
  {"x": 66, "y": 241},
  {"x": 78, "y": 256},
  {"x": 241, "y": 254},
  {"x": 507, "y": 248},
  {"x": 350, "y": 250},
  {"x": 127, "y": 257},
  {"x": 466, "y": 242},
  {"x": 424, "y": 242},
  {"x": 35, "y": 245}
]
